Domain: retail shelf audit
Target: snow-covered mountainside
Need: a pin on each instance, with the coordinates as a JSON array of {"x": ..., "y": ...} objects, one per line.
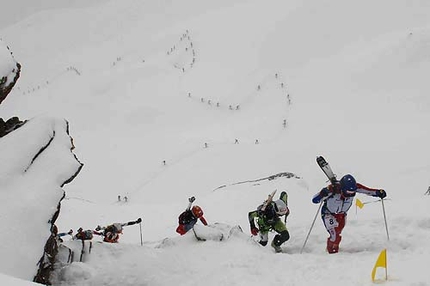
[
  {"x": 9, "y": 71},
  {"x": 157, "y": 93},
  {"x": 37, "y": 162}
]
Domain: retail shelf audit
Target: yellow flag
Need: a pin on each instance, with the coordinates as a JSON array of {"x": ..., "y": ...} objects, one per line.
[
  {"x": 359, "y": 204},
  {"x": 381, "y": 262}
]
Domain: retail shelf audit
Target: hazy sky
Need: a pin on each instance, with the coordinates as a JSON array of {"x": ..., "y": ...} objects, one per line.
[{"x": 16, "y": 10}]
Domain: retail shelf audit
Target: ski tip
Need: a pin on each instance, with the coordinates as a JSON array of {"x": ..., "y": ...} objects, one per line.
[{"x": 272, "y": 194}]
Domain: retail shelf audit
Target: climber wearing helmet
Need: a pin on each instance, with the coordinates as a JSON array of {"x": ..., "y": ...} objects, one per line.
[
  {"x": 268, "y": 217},
  {"x": 188, "y": 218},
  {"x": 337, "y": 199}
]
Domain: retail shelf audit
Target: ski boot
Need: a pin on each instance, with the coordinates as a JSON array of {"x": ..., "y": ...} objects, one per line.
[
  {"x": 333, "y": 246},
  {"x": 277, "y": 248}
]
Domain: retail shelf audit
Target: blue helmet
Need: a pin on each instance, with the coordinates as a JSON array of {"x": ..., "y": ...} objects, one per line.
[{"x": 348, "y": 185}]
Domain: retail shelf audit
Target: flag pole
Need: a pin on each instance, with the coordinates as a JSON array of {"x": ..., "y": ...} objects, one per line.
[
  {"x": 380, "y": 262},
  {"x": 386, "y": 271}
]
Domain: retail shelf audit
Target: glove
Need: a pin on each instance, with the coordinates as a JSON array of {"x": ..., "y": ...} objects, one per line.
[
  {"x": 192, "y": 199},
  {"x": 254, "y": 230},
  {"x": 139, "y": 220},
  {"x": 381, "y": 194},
  {"x": 98, "y": 228},
  {"x": 324, "y": 192},
  {"x": 316, "y": 199}
]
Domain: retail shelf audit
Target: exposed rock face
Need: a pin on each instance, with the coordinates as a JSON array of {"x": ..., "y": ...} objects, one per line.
[
  {"x": 38, "y": 163},
  {"x": 49, "y": 258},
  {"x": 10, "y": 125},
  {"x": 9, "y": 71},
  {"x": 288, "y": 175},
  {"x": 47, "y": 261}
]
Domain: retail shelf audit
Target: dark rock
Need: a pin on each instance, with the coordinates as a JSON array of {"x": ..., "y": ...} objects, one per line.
[
  {"x": 8, "y": 81},
  {"x": 10, "y": 125}
]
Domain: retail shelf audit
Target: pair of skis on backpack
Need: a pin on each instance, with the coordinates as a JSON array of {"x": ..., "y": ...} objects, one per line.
[{"x": 325, "y": 167}]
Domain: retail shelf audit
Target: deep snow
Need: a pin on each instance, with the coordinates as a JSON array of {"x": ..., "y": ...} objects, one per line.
[{"x": 123, "y": 75}]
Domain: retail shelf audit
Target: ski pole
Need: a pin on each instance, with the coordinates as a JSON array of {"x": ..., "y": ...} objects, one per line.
[
  {"x": 385, "y": 219},
  {"x": 140, "y": 226},
  {"x": 313, "y": 222}
]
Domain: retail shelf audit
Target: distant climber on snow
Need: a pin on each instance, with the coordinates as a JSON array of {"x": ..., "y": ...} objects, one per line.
[{"x": 188, "y": 218}]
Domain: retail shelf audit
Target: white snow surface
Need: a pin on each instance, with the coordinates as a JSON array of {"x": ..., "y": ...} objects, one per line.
[
  {"x": 31, "y": 190},
  {"x": 7, "y": 64},
  {"x": 133, "y": 79}
]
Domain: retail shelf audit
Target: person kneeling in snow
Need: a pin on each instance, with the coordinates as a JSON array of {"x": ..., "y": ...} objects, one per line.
[
  {"x": 111, "y": 232},
  {"x": 269, "y": 218},
  {"x": 188, "y": 218}
]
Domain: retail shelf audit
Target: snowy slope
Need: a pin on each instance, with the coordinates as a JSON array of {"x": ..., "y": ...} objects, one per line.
[
  {"x": 134, "y": 80},
  {"x": 37, "y": 160},
  {"x": 7, "y": 63}
]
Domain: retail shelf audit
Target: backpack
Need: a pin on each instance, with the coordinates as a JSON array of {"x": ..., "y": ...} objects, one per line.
[
  {"x": 113, "y": 228},
  {"x": 186, "y": 217},
  {"x": 269, "y": 214},
  {"x": 85, "y": 235}
]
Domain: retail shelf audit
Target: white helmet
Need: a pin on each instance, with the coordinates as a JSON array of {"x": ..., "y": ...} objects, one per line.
[{"x": 281, "y": 208}]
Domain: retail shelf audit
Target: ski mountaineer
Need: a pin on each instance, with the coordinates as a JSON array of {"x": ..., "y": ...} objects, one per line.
[
  {"x": 268, "y": 217},
  {"x": 188, "y": 218},
  {"x": 111, "y": 232},
  {"x": 337, "y": 199},
  {"x": 85, "y": 234}
]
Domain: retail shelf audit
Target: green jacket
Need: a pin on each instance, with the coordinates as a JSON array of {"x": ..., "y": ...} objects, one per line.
[{"x": 266, "y": 220}]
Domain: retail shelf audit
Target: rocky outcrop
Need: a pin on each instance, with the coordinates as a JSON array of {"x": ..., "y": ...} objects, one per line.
[
  {"x": 10, "y": 125},
  {"x": 49, "y": 258},
  {"x": 10, "y": 71},
  {"x": 287, "y": 175},
  {"x": 47, "y": 261}
]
